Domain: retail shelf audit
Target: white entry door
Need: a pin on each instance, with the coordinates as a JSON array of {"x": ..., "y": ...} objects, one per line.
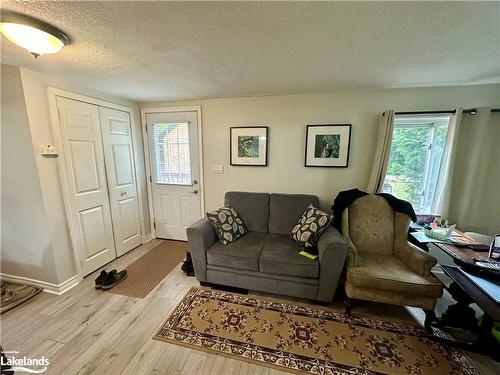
[
  {"x": 173, "y": 145},
  {"x": 86, "y": 179},
  {"x": 119, "y": 158}
]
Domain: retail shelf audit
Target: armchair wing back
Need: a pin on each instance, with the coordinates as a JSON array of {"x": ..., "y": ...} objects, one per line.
[{"x": 371, "y": 225}]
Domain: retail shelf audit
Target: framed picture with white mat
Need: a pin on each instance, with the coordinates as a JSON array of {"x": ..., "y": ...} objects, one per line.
[
  {"x": 249, "y": 146},
  {"x": 328, "y": 145}
]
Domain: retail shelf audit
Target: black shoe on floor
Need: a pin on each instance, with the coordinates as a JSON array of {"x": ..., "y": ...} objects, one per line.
[
  {"x": 187, "y": 265},
  {"x": 102, "y": 276},
  {"x": 114, "y": 278}
]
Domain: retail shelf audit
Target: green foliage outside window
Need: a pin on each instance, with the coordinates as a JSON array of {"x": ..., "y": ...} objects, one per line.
[{"x": 407, "y": 160}]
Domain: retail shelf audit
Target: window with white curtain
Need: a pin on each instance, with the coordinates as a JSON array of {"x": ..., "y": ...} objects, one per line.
[
  {"x": 172, "y": 145},
  {"x": 415, "y": 159}
]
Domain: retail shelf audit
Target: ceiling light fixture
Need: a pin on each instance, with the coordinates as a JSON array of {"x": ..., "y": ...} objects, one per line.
[{"x": 37, "y": 36}]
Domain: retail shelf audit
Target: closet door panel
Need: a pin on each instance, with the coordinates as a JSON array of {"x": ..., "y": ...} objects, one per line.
[
  {"x": 86, "y": 181},
  {"x": 121, "y": 179}
]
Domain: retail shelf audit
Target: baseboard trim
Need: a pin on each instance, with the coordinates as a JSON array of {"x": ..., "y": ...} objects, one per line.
[
  {"x": 57, "y": 289},
  {"x": 149, "y": 237}
]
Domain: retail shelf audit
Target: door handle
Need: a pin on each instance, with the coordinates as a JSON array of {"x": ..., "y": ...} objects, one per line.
[{"x": 195, "y": 191}]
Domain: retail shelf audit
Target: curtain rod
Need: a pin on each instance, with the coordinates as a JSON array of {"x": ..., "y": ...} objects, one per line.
[
  {"x": 471, "y": 111},
  {"x": 453, "y": 111}
]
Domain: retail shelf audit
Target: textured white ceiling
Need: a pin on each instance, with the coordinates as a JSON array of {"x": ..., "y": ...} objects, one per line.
[{"x": 149, "y": 51}]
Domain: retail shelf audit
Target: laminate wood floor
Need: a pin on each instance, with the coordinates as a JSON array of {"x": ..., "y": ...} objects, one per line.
[{"x": 86, "y": 331}]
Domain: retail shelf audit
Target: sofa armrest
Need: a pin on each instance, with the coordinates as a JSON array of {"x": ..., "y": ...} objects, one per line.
[
  {"x": 418, "y": 260},
  {"x": 201, "y": 235},
  {"x": 332, "y": 250}
]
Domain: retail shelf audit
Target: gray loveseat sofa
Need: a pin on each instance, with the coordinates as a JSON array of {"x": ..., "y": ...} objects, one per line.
[{"x": 266, "y": 258}]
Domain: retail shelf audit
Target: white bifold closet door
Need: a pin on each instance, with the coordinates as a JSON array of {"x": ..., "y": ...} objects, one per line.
[
  {"x": 100, "y": 180},
  {"x": 118, "y": 156},
  {"x": 91, "y": 224}
]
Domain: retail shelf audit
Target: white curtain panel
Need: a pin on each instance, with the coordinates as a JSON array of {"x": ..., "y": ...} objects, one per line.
[
  {"x": 382, "y": 152},
  {"x": 474, "y": 199},
  {"x": 441, "y": 202}
]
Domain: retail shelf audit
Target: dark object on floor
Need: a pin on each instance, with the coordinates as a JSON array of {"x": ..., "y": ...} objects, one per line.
[
  {"x": 187, "y": 265},
  {"x": 346, "y": 197},
  {"x": 224, "y": 288},
  {"x": 102, "y": 276},
  {"x": 6, "y": 369},
  {"x": 113, "y": 278},
  {"x": 15, "y": 294}
]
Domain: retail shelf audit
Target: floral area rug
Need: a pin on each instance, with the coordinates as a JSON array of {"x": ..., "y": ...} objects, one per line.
[{"x": 305, "y": 339}]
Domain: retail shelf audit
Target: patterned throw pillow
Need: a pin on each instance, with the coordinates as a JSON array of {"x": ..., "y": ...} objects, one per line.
[
  {"x": 227, "y": 224},
  {"x": 310, "y": 226}
]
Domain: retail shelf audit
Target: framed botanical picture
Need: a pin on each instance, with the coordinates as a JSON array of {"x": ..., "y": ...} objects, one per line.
[
  {"x": 248, "y": 145},
  {"x": 328, "y": 145}
]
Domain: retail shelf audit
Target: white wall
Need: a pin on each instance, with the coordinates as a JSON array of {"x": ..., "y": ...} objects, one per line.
[
  {"x": 26, "y": 243},
  {"x": 287, "y": 117}
]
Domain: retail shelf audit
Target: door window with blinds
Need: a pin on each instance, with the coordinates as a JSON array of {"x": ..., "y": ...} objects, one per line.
[{"x": 172, "y": 148}]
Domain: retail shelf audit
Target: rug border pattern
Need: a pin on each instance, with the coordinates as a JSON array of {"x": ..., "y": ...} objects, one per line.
[{"x": 275, "y": 358}]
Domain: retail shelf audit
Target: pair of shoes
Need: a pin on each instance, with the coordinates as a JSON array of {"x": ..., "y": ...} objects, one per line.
[{"x": 107, "y": 280}]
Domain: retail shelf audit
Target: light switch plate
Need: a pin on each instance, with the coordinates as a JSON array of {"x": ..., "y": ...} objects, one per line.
[
  {"x": 218, "y": 169},
  {"x": 48, "y": 150}
]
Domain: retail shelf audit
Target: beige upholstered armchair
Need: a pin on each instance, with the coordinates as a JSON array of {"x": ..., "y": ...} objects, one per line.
[{"x": 382, "y": 265}]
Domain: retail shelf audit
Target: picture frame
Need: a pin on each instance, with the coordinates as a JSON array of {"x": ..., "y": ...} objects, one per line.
[
  {"x": 327, "y": 145},
  {"x": 248, "y": 146}
]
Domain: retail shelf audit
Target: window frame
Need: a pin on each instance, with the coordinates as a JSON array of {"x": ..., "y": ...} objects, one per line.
[{"x": 433, "y": 123}]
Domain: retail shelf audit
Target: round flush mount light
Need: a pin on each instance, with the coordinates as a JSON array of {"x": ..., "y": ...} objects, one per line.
[{"x": 37, "y": 36}]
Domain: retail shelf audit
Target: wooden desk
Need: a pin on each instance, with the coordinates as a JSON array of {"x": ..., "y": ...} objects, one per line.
[
  {"x": 463, "y": 254},
  {"x": 483, "y": 300},
  {"x": 485, "y": 342},
  {"x": 461, "y": 315},
  {"x": 465, "y": 292}
]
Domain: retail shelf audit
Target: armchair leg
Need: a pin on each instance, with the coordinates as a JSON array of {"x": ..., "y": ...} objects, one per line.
[
  {"x": 348, "y": 306},
  {"x": 430, "y": 316}
]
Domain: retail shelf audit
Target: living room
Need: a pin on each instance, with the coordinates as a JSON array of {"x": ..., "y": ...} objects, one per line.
[{"x": 265, "y": 107}]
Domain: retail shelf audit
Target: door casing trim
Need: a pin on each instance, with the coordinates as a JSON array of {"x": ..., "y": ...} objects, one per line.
[
  {"x": 145, "y": 141},
  {"x": 52, "y": 94}
]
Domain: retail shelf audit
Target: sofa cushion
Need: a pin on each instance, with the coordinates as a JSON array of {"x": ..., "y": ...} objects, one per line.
[
  {"x": 227, "y": 224},
  {"x": 389, "y": 273},
  {"x": 242, "y": 254},
  {"x": 253, "y": 209},
  {"x": 286, "y": 209},
  {"x": 310, "y": 226},
  {"x": 280, "y": 256}
]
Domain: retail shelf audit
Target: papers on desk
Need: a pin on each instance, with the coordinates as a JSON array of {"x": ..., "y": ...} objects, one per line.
[
  {"x": 490, "y": 287},
  {"x": 456, "y": 238},
  {"x": 423, "y": 238},
  {"x": 462, "y": 239}
]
